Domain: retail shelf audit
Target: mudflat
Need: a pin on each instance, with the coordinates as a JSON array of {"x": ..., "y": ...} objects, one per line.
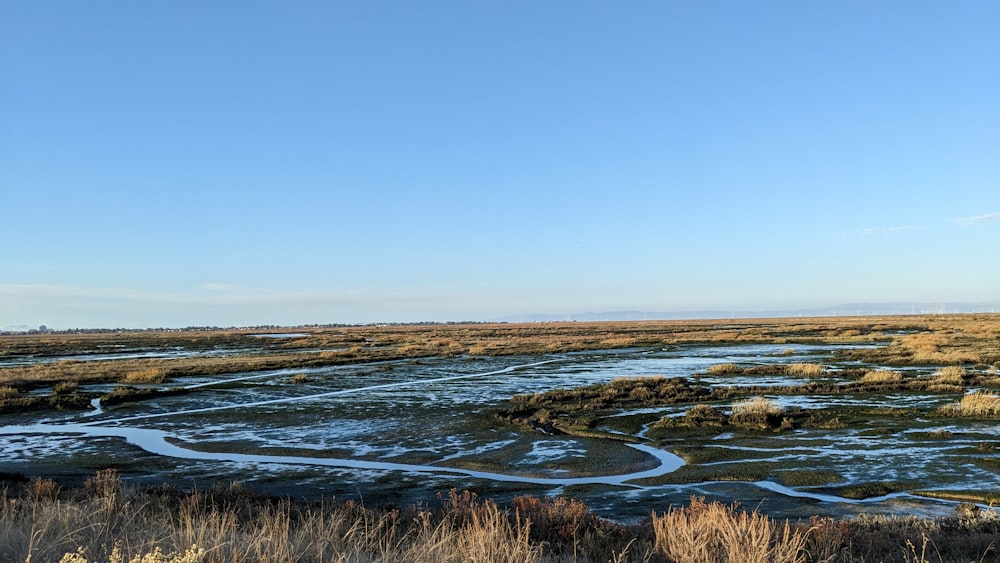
[{"x": 798, "y": 417}]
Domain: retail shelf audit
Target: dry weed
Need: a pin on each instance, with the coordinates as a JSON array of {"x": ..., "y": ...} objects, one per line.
[
  {"x": 951, "y": 375},
  {"x": 756, "y": 406},
  {"x": 978, "y": 404},
  {"x": 881, "y": 376},
  {"x": 146, "y": 375},
  {"x": 723, "y": 369},
  {"x": 710, "y": 532},
  {"x": 805, "y": 370}
]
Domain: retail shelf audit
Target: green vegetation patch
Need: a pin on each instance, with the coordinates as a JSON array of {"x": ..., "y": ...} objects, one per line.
[
  {"x": 808, "y": 477},
  {"x": 990, "y": 463},
  {"x": 688, "y": 474},
  {"x": 128, "y": 394},
  {"x": 860, "y": 491},
  {"x": 21, "y": 404},
  {"x": 704, "y": 454}
]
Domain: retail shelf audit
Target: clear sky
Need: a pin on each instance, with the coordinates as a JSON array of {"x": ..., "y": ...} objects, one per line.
[{"x": 248, "y": 162}]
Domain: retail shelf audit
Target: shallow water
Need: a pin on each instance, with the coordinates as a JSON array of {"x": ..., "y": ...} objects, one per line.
[{"x": 421, "y": 428}]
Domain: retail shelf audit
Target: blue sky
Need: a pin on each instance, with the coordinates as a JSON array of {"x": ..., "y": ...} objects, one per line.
[{"x": 242, "y": 163}]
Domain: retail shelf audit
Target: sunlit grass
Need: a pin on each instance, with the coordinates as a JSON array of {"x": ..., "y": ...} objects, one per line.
[
  {"x": 723, "y": 369},
  {"x": 716, "y": 532},
  {"x": 882, "y": 376},
  {"x": 980, "y": 404},
  {"x": 757, "y": 406},
  {"x": 951, "y": 375},
  {"x": 112, "y": 522},
  {"x": 146, "y": 375},
  {"x": 805, "y": 370}
]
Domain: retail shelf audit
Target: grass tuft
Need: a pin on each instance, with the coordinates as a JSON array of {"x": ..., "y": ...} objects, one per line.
[
  {"x": 756, "y": 406},
  {"x": 717, "y": 532},
  {"x": 146, "y": 375},
  {"x": 881, "y": 376},
  {"x": 723, "y": 369},
  {"x": 951, "y": 375},
  {"x": 978, "y": 404},
  {"x": 805, "y": 370}
]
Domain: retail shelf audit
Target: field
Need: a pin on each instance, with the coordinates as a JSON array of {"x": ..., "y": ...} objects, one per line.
[{"x": 839, "y": 425}]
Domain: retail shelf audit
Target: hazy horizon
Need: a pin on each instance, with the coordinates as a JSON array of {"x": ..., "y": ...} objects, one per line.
[
  {"x": 233, "y": 164},
  {"x": 844, "y": 310}
]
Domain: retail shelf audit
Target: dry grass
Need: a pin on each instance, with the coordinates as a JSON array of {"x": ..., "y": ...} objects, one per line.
[
  {"x": 937, "y": 348},
  {"x": 715, "y": 532},
  {"x": 951, "y": 375},
  {"x": 881, "y": 376},
  {"x": 110, "y": 521},
  {"x": 116, "y": 523},
  {"x": 8, "y": 392},
  {"x": 805, "y": 370},
  {"x": 147, "y": 375},
  {"x": 978, "y": 404},
  {"x": 65, "y": 387},
  {"x": 723, "y": 369},
  {"x": 756, "y": 406},
  {"x": 759, "y": 412},
  {"x": 921, "y": 340},
  {"x": 192, "y": 555}
]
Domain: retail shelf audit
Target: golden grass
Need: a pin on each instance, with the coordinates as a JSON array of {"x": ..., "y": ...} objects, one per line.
[
  {"x": 951, "y": 375},
  {"x": 192, "y": 555},
  {"x": 805, "y": 370},
  {"x": 759, "y": 412},
  {"x": 8, "y": 392},
  {"x": 922, "y": 340},
  {"x": 723, "y": 369},
  {"x": 881, "y": 376},
  {"x": 756, "y": 406},
  {"x": 146, "y": 375},
  {"x": 110, "y": 521},
  {"x": 716, "y": 532},
  {"x": 65, "y": 387},
  {"x": 979, "y": 404},
  {"x": 117, "y": 523}
]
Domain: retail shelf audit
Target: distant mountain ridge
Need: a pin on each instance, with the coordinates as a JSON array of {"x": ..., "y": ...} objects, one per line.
[{"x": 845, "y": 310}]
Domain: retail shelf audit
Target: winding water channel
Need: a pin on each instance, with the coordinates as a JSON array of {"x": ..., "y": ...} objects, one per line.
[{"x": 408, "y": 427}]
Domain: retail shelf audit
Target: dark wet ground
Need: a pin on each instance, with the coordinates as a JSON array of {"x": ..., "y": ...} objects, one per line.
[{"x": 405, "y": 425}]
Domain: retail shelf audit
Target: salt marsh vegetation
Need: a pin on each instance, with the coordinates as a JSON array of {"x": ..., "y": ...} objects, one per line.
[{"x": 836, "y": 417}]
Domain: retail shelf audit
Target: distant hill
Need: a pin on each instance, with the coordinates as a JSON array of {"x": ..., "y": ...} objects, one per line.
[{"x": 845, "y": 310}]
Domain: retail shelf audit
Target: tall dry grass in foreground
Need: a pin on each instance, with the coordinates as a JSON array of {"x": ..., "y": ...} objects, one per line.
[
  {"x": 117, "y": 524},
  {"x": 109, "y": 522},
  {"x": 707, "y": 532}
]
